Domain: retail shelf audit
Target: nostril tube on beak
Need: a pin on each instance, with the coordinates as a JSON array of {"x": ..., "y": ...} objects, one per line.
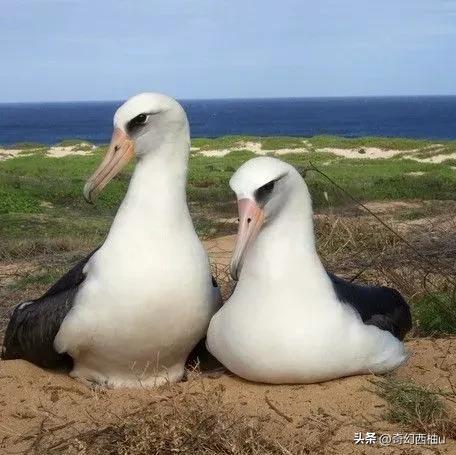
[{"x": 249, "y": 220}]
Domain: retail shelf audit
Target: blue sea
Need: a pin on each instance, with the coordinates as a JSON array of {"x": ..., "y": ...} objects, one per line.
[{"x": 413, "y": 117}]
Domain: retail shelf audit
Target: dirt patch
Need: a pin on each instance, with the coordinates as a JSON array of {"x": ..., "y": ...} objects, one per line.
[
  {"x": 256, "y": 148},
  {"x": 56, "y": 151},
  {"x": 391, "y": 206},
  {"x": 61, "y": 151},
  {"x": 220, "y": 249},
  {"x": 6, "y": 154},
  {"x": 436, "y": 158},
  {"x": 362, "y": 153},
  {"x": 13, "y": 271},
  {"x": 416, "y": 174}
]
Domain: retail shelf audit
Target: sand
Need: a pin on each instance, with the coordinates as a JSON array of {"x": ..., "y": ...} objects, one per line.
[
  {"x": 6, "y": 154},
  {"x": 56, "y": 151},
  {"x": 365, "y": 153},
  {"x": 326, "y": 414},
  {"x": 323, "y": 418},
  {"x": 61, "y": 152},
  {"x": 437, "y": 158}
]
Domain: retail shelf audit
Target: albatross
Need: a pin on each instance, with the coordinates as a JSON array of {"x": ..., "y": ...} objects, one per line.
[
  {"x": 130, "y": 313},
  {"x": 288, "y": 320}
]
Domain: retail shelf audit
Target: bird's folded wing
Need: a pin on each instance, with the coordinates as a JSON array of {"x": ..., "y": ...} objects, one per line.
[{"x": 34, "y": 325}]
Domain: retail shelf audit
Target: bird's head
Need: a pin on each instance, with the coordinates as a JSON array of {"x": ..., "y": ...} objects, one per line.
[
  {"x": 141, "y": 125},
  {"x": 263, "y": 188}
]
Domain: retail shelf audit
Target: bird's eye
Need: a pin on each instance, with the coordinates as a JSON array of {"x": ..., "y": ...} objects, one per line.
[
  {"x": 140, "y": 119},
  {"x": 137, "y": 121},
  {"x": 262, "y": 193}
]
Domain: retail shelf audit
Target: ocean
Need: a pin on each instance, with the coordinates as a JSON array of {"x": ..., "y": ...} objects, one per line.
[{"x": 414, "y": 117}]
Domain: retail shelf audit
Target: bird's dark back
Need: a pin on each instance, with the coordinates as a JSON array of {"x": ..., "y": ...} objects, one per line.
[{"x": 378, "y": 305}]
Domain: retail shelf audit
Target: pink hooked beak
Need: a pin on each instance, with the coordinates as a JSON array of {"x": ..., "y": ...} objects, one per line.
[
  {"x": 120, "y": 151},
  {"x": 251, "y": 218}
]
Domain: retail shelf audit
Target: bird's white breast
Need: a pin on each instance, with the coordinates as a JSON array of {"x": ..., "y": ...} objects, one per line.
[
  {"x": 283, "y": 337},
  {"x": 141, "y": 305}
]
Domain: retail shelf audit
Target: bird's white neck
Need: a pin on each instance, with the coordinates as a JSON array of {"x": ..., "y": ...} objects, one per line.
[
  {"x": 155, "y": 204},
  {"x": 285, "y": 250}
]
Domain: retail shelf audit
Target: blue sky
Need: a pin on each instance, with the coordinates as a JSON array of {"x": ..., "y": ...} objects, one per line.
[{"x": 111, "y": 49}]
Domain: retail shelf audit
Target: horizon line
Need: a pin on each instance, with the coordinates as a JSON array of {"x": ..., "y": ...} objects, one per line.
[{"x": 238, "y": 98}]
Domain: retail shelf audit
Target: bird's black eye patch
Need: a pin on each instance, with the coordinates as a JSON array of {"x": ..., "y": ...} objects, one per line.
[
  {"x": 137, "y": 122},
  {"x": 263, "y": 192}
]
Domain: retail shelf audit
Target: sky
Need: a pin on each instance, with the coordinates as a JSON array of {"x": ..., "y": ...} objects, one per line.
[{"x": 57, "y": 50}]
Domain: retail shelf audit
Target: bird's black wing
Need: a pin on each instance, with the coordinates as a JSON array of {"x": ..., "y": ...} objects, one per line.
[
  {"x": 34, "y": 325},
  {"x": 377, "y": 305}
]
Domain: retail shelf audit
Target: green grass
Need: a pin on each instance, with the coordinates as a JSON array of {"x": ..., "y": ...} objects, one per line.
[
  {"x": 267, "y": 143},
  {"x": 365, "y": 179},
  {"x": 28, "y": 184},
  {"x": 379, "y": 142},
  {"x": 280, "y": 142},
  {"x": 72, "y": 142},
  {"x": 56, "y": 180},
  {"x": 41, "y": 200},
  {"x": 27, "y": 146},
  {"x": 435, "y": 314},
  {"x": 382, "y": 179},
  {"x": 44, "y": 279},
  {"x": 283, "y": 142},
  {"x": 413, "y": 214},
  {"x": 447, "y": 148},
  {"x": 37, "y": 151},
  {"x": 415, "y": 407},
  {"x": 17, "y": 203},
  {"x": 219, "y": 143}
]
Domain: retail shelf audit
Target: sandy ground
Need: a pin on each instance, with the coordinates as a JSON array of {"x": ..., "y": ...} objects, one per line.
[
  {"x": 358, "y": 153},
  {"x": 6, "y": 154},
  {"x": 53, "y": 152},
  {"x": 321, "y": 418},
  {"x": 60, "y": 152},
  {"x": 327, "y": 414}
]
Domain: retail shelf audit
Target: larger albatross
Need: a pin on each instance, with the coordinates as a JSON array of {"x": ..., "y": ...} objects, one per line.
[
  {"x": 130, "y": 313},
  {"x": 288, "y": 321}
]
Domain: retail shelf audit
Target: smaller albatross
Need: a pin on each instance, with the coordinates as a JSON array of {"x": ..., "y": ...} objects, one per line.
[
  {"x": 130, "y": 313},
  {"x": 288, "y": 321}
]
